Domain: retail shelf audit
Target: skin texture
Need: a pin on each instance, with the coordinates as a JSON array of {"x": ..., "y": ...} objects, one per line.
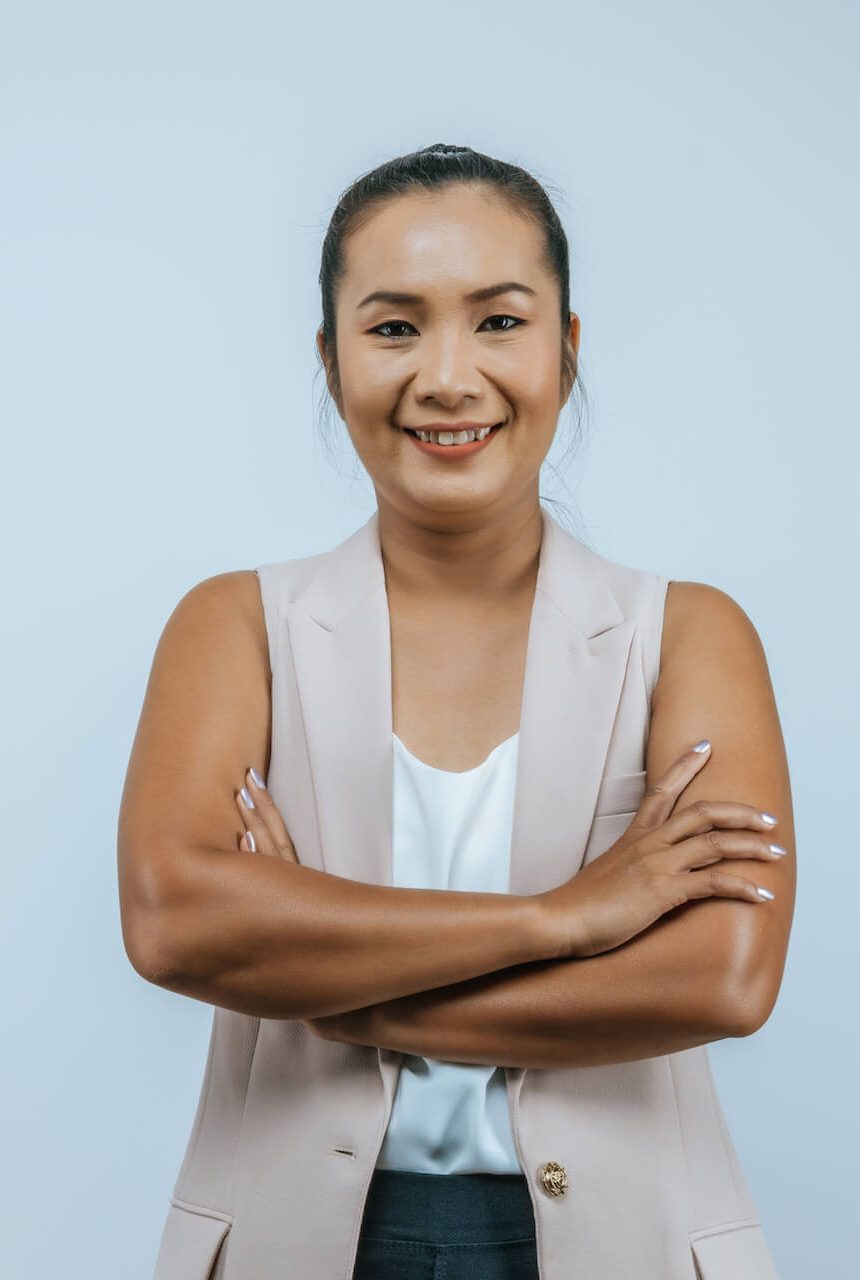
[{"x": 460, "y": 549}]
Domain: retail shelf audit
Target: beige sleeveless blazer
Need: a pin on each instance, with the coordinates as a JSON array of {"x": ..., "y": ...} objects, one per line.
[{"x": 288, "y": 1126}]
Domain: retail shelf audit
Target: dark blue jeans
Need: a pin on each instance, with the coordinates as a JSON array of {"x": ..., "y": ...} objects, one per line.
[{"x": 449, "y": 1226}]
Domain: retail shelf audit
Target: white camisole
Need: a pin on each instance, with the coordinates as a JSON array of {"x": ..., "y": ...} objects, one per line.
[{"x": 451, "y": 831}]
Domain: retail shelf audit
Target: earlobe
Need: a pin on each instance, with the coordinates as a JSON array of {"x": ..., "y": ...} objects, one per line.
[
  {"x": 568, "y": 373},
  {"x": 329, "y": 379}
]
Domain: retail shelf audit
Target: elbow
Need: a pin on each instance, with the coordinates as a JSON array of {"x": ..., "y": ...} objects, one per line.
[
  {"x": 148, "y": 948},
  {"x": 150, "y": 914},
  {"x": 747, "y": 1004}
]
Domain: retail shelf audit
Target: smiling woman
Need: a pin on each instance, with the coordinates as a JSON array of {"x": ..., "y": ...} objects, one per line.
[{"x": 468, "y": 832}]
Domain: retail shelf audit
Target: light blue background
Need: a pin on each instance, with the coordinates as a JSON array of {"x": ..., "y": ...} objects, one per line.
[{"x": 168, "y": 173}]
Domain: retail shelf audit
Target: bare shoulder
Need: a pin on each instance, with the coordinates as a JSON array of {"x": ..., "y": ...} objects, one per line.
[
  {"x": 204, "y": 721},
  {"x": 697, "y": 611},
  {"x": 229, "y": 603},
  {"x": 713, "y": 674}
]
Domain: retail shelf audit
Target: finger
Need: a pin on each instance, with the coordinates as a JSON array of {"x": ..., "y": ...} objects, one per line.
[
  {"x": 254, "y": 823},
  {"x": 268, "y": 810},
  {"x": 659, "y": 800},
  {"x": 715, "y": 845},
  {"x": 719, "y": 884},
  {"x": 703, "y": 815}
]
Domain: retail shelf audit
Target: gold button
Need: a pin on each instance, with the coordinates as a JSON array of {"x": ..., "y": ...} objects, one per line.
[{"x": 554, "y": 1178}]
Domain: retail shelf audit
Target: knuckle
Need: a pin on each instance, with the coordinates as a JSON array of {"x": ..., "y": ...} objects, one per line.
[
  {"x": 658, "y": 789},
  {"x": 702, "y": 808},
  {"x": 715, "y": 839}
]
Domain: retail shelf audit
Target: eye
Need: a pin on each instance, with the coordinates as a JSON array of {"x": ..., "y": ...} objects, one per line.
[
  {"x": 504, "y": 317},
  {"x": 388, "y": 324}
]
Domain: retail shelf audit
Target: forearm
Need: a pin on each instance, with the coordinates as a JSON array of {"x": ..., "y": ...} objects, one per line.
[
  {"x": 640, "y": 1000},
  {"x": 279, "y": 940}
]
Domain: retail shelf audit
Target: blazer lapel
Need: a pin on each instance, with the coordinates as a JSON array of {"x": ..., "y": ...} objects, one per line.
[{"x": 578, "y": 647}]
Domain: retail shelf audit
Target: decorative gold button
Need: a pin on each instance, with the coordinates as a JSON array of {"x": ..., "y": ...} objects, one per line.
[{"x": 554, "y": 1178}]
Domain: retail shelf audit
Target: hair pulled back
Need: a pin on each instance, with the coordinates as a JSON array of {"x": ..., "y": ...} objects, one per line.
[{"x": 432, "y": 168}]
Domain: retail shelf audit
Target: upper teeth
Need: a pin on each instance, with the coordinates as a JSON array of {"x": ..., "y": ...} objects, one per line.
[{"x": 453, "y": 437}]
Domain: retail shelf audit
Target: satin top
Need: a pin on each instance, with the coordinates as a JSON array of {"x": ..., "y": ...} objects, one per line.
[{"x": 451, "y": 831}]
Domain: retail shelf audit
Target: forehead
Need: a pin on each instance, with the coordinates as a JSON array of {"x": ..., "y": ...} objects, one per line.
[{"x": 458, "y": 237}]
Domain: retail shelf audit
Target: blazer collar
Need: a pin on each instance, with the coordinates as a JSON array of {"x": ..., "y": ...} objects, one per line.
[
  {"x": 568, "y": 575},
  {"x": 578, "y": 647}
]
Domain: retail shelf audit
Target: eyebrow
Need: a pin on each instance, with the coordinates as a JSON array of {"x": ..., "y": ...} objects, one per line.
[{"x": 479, "y": 295}]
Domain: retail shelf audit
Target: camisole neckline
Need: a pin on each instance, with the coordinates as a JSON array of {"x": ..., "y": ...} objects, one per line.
[{"x": 456, "y": 773}]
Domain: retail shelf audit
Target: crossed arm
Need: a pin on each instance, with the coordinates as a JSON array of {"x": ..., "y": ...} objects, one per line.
[
  {"x": 710, "y": 969},
  {"x": 624, "y": 1004}
]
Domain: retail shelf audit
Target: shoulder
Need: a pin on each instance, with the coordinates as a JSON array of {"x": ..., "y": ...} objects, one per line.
[
  {"x": 220, "y": 619},
  {"x": 700, "y": 619},
  {"x": 236, "y": 589},
  {"x": 713, "y": 671}
]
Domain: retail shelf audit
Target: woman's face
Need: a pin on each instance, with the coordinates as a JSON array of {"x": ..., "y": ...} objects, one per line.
[{"x": 442, "y": 359}]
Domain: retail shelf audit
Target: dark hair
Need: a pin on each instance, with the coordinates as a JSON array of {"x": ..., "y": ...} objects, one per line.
[{"x": 433, "y": 167}]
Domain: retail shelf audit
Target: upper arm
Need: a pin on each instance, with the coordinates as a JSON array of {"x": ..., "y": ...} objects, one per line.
[
  {"x": 714, "y": 683},
  {"x": 205, "y": 720}
]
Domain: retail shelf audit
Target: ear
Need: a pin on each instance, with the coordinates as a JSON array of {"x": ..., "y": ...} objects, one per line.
[
  {"x": 571, "y": 357},
  {"x": 330, "y": 379}
]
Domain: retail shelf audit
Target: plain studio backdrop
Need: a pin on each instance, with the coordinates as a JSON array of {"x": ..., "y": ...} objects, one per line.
[{"x": 168, "y": 174}]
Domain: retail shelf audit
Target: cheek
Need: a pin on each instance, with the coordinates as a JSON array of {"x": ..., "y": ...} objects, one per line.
[{"x": 539, "y": 379}]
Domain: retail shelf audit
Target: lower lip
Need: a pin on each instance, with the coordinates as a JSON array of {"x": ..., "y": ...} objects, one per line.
[{"x": 451, "y": 452}]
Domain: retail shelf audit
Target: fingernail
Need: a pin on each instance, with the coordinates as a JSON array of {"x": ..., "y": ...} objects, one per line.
[
  {"x": 763, "y": 893},
  {"x": 250, "y": 841},
  {"x": 246, "y": 798},
  {"x": 258, "y": 781},
  {"x": 777, "y": 848},
  {"x": 769, "y": 819},
  {"x": 704, "y": 745}
]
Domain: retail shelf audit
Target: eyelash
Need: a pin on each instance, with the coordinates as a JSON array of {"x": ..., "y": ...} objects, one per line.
[{"x": 387, "y": 323}]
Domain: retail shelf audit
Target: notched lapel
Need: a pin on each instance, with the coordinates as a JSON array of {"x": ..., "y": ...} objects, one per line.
[
  {"x": 578, "y": 648},
  {"x": 341, "y": 646},
  {"x": 571, "y": 692}
]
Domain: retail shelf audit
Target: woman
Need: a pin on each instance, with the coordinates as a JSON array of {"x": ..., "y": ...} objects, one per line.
[{"x": 469, "y": 834}]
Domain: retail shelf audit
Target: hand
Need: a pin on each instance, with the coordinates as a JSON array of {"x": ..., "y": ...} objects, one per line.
[
  {"x": 651, "y": 868},
  {"x": 268, "y": 830},
  {"x": 270, "y": 836}
]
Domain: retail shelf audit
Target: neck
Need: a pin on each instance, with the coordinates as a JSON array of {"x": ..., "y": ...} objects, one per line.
[{"x": 461, "y": 560}]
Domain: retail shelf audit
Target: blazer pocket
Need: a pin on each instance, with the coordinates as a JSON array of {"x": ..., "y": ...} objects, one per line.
[
  {"x": 736, "y": 1252},
  {"x": 620, "y": 793},
  {"x": 191, "y": 1241}
]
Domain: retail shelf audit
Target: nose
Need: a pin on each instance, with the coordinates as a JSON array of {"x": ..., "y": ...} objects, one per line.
[{"x": 445, "y": 371}]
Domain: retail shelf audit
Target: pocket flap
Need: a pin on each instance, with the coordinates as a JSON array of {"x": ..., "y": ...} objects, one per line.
[
  {"x": 190, "y": 1242},
  {"x": 620, "y": 793},
  {"x": 739, "y": 1253}
]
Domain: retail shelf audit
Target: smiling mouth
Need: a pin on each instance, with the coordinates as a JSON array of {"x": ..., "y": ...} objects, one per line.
[{"x": 453, "y": 445}]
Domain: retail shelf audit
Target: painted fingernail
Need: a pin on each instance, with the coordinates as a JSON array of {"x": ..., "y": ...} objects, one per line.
[
  {"x": 250, "y": 841},
  {"x": 245, "y": 797},
  {"x": 763, "y": 893},
  {"x": 777, "y": 848},
  {"x": 769, "y": 819},
  {"x": 704, "y": 745},
  {"x": 258, "y": 781}
]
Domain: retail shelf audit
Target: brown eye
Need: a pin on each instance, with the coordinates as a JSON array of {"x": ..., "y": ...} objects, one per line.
[
  {"x": 504, "y": 317},
  {"x": 388, "y": 324},
  {"x": 394, "y": 324}
]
